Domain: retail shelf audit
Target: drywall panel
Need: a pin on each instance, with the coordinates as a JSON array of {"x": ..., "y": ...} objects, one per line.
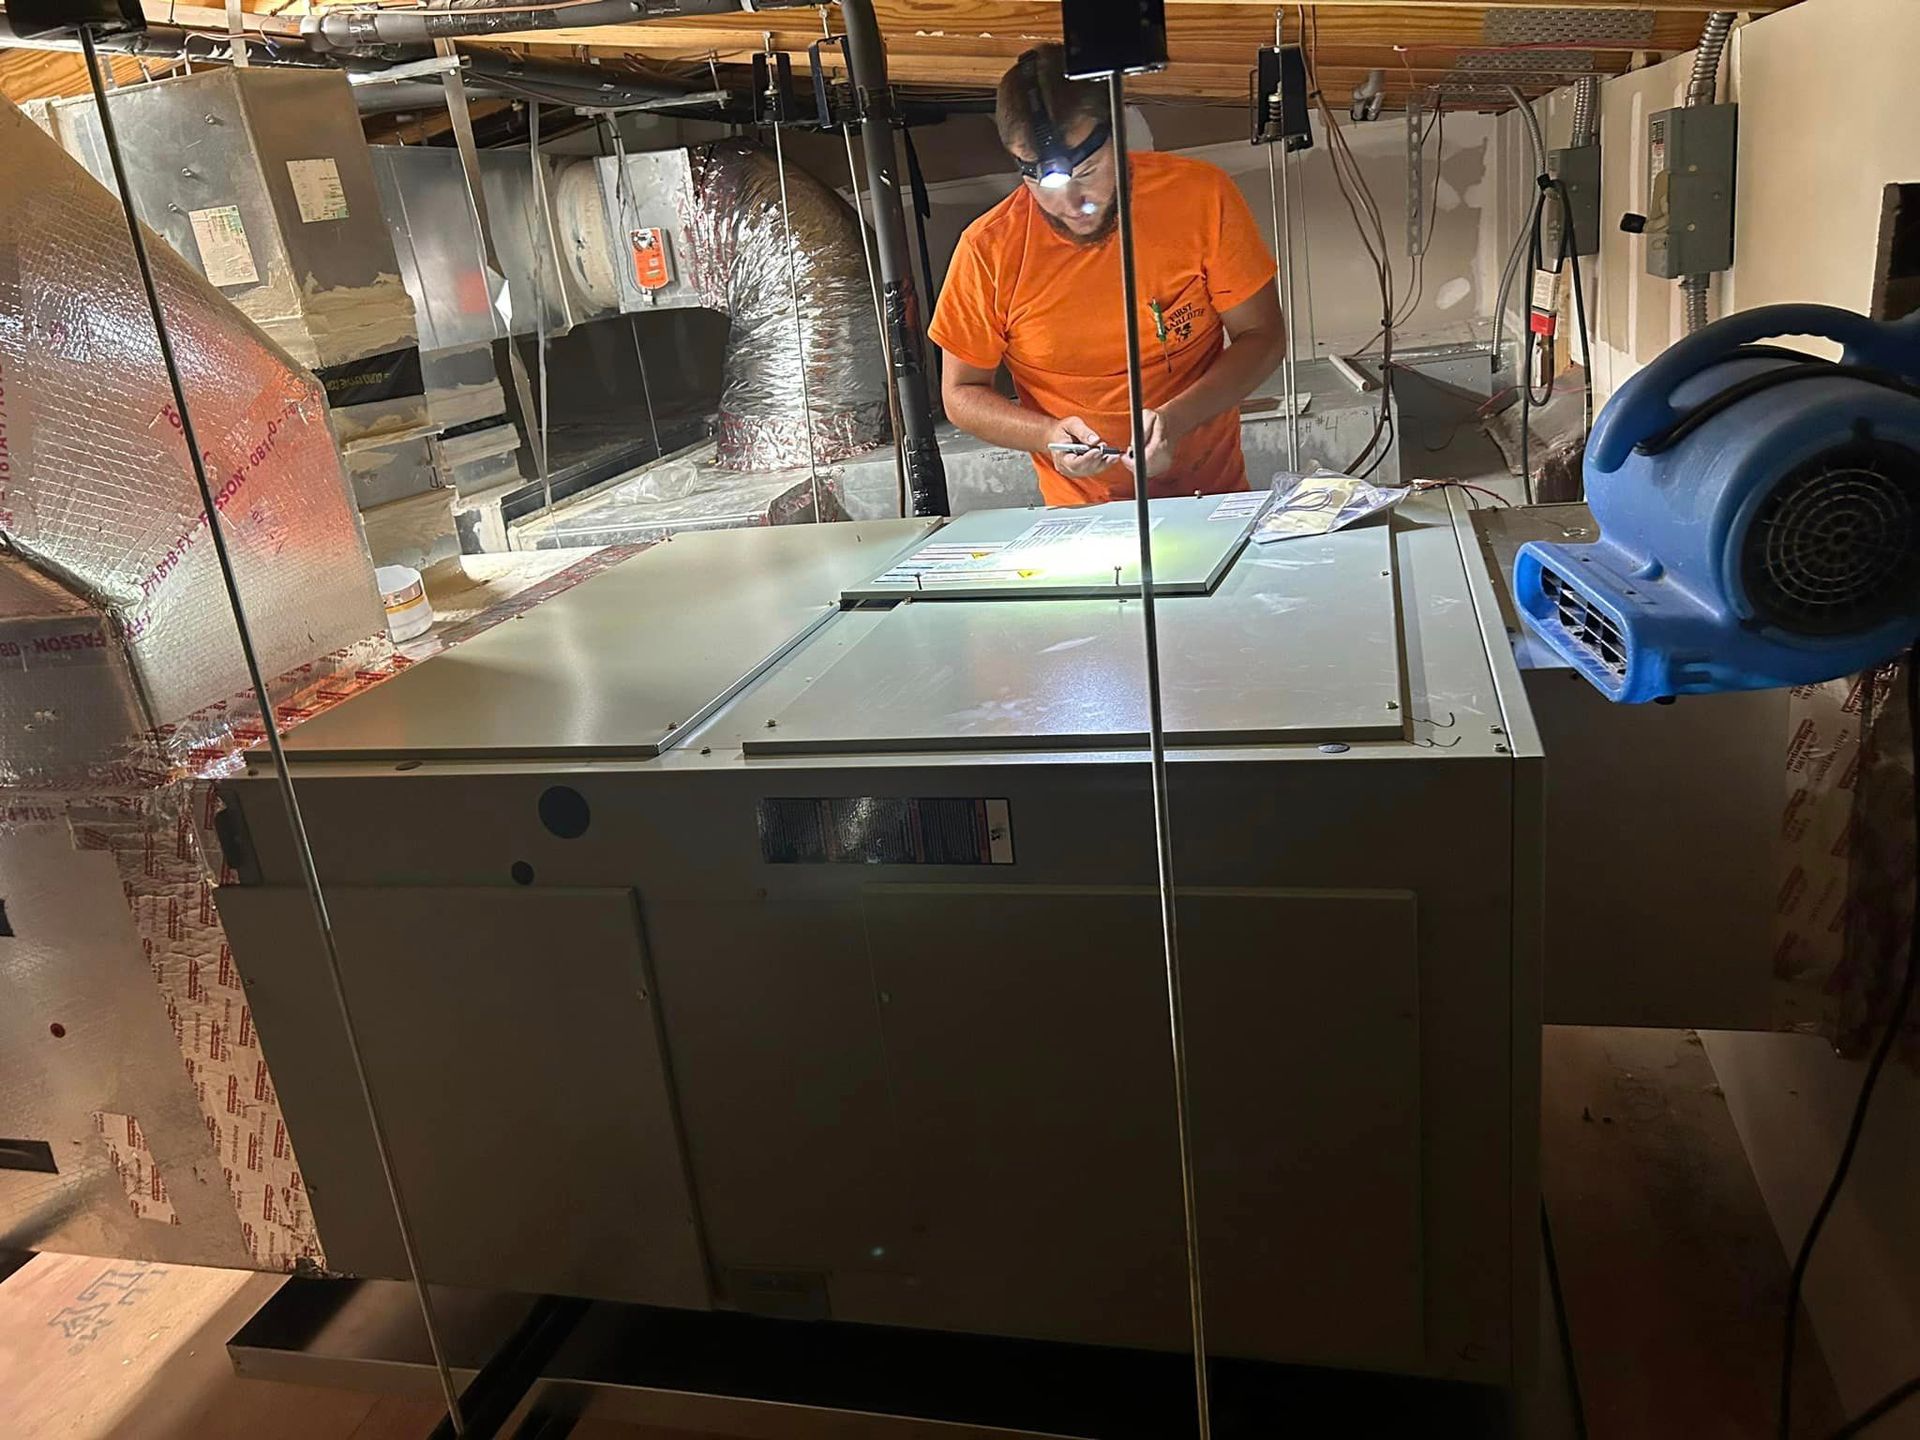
[
  {"x": 1461, "y": 273},
  {"x": 1829, "y": 115}
]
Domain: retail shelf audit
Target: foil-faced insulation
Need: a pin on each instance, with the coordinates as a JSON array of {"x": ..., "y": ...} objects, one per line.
[
  {"x": 97, "y": 494},
  {"x": 741, "y": 255}
]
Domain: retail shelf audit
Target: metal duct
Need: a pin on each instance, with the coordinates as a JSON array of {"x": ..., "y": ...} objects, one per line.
[{"x": 740, "y": 258}]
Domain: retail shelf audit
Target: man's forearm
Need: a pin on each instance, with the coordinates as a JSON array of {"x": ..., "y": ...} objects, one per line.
[
  {"x": 1235, "y": 374},
  {"x": 982, "y": 411}
]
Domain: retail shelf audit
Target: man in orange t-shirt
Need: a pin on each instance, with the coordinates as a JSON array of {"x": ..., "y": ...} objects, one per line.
[{"x": 1035, "y": 284}]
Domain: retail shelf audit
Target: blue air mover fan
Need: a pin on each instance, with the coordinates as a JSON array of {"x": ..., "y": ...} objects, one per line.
[{"x": 1759, "y": 514}]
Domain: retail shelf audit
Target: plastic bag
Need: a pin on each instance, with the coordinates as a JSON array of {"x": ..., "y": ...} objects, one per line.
[{"x": 1320, "y": 503}]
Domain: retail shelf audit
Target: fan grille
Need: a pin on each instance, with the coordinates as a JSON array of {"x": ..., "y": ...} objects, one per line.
[
  {"x": 1836, "y": 547},
  {"x": 1591, "y": 629}
]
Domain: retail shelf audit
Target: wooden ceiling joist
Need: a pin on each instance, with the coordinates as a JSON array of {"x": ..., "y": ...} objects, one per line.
[{"x": 967, "y": 44}]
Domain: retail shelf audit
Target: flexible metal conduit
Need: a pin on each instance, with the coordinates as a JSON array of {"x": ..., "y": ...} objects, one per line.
[
  {"x": 1586, "y": 110},
  {"x": 1703, "y": 89}
]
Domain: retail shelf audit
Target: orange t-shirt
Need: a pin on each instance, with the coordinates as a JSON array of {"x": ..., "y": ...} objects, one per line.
[{"x": 1019, "y": 292}]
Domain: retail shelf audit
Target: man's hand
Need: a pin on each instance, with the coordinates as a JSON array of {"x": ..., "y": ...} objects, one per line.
[
  {"x": 1159, "y": 445},
  {"x": 1075, "y": 431}
]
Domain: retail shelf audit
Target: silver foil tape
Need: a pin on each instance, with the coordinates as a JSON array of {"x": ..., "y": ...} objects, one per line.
[{"x": 740, "y": 265}]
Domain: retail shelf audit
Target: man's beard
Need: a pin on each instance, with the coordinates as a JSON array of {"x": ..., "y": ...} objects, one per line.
[{"x": 1096, "y": 237}]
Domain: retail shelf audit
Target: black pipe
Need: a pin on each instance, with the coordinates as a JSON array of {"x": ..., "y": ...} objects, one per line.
[
  {"x": 867, "y": 67},
  {"x": 361, "y": 30}
]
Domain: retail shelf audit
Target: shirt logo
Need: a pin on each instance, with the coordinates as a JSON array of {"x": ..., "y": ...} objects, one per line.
[{"x": 1180, "y": 322}]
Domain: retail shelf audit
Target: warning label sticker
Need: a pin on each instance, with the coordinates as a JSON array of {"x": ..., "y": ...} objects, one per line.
[
  {"x": 317, "y": 190},
  {"x": 225, "y": 255}
]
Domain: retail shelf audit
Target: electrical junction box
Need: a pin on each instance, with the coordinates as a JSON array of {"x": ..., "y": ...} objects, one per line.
[
  {"x": 1577, "y": 168},
  {"x": 1690, "y": 172}
]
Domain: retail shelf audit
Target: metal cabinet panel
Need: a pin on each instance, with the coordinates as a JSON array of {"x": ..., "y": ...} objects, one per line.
[
  {"x": 1027, "y": 1051},
  {"x": 623, "y": 664},
  {"x": 575, "y": 1181}
]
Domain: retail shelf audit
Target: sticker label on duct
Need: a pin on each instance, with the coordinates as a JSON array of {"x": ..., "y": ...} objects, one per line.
[
  {"x": 317, "y": 190},
  {"x": 885, "y": 830},
  {"x": 225, "y": 255}
]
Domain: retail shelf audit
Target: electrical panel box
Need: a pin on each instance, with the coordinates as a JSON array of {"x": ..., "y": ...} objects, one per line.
[
  {"x": 1577, "y": 168},
  {"x": 1690, "y": 171}
]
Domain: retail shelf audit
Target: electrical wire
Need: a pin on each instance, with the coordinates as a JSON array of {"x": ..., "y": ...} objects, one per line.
[
  {"x": 1561, "y": 1324},
  {"x": 1896, "y": 1024},
  {"x": 1421, "y": 486},
  {"x": 1570, "y": 248},
  {"x": 1365, "y": 211},
  {"x": 1879, "y": 1410},
  {"x": 1569, "y": 259}
]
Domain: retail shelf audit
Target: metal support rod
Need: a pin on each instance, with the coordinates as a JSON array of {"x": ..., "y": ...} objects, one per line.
[
  {"x": 539, "y": 296},
  {"x": 1157, "y": 756},
  {"x": 867, "y": 67},
  {"x": 1306, "y": 231},
  {"x": 506, "y": 356},
  {"x": 629, "y": 222},
  {"x": 1283, "y": 253},
  {"x": 799, "y": 323},
  {"x": 303, "y": 849}
]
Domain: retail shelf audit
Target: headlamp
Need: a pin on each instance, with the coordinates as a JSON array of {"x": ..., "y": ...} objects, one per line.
[{"x": 1055, "y": 161}]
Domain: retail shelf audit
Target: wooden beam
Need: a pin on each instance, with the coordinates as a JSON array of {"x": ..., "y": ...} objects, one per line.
[{"x": 1657, "y": 6}]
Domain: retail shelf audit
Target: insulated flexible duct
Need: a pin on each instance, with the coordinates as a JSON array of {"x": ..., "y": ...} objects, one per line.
[
  {"x": 740, "y": 268},
  {"x": 1703, "y": 89}
]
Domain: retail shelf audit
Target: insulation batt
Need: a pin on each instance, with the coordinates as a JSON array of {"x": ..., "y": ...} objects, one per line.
[{"x": 740, "y": 267}]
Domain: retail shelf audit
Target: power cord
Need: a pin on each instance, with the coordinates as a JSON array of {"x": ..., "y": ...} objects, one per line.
[
  {"x": 1568, "y": 257},
  {"x": 1896, "y": 1023}
]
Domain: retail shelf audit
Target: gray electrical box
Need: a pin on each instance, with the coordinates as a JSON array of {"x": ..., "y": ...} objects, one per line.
[
  {"x": 1690, "y": 171},
  {"x": 1577, "y": 168}
]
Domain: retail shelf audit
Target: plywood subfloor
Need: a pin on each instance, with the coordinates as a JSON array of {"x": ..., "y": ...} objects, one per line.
[
  {"x": 121, "y": 1350},
  {"x": 1672, "y": 1275}
]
